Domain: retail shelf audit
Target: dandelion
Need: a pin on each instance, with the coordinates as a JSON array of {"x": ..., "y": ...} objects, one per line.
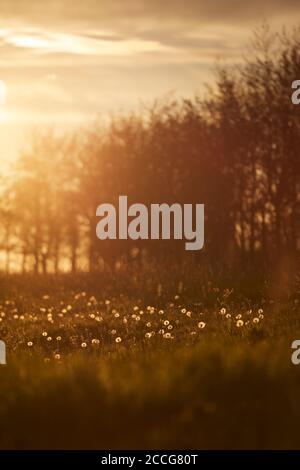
[
  {"x": 239, "y": 323},
  {"x": 113, "y": 332},
  {"x": 261, "y": 316},
  {"x": 136, "y": 308},
  {"x": 148, "y": 335},
  {"x": 83, "y": 345},
  {"x": 167, "y": 335},
  {"x": 170, "y": 327},
  {"x": 183, "y": 310},
  {"x": 30, "y": 344},
  {"x": 107, "y": 302},
  {"x": 228, "y": 315},
  {"x": 117, "y": 315},
  {"x": 137, "y": 318},
  {"x": 189, "y": 314},
  {"x": 166, "y": 322},
  {"x": 161, "y": 312},
  {"x": 260, "y": 311},
  {"x": 92, "y": 316},
  {"x": 201, "y": 325},
  {"x": 125, "y": 320},
  {"x": 49, "y": 338},
  {"x": 57, "y": 356},
  {"x": 95, "y": 341},
  {"x": 58, "y": 338},
  {"x": 118, "y": 339},
  {"x": 255, "y": 320},
  {"x": 223, "y": 311},
  {"x": 148, "y": 324},
  {"x": 238, "y": 317}
]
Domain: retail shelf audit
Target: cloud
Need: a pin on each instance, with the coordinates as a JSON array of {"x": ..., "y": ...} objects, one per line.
[{"x": 125, "y": 14}]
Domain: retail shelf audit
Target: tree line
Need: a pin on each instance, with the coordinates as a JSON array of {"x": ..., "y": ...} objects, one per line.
[{"x": 236, "y": 149}]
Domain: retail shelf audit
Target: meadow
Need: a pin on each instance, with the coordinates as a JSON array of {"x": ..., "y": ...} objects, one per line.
[{"x": 145, "y": 359}]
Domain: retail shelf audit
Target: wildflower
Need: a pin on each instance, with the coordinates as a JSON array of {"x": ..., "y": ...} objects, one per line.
[
  {"x": 137, "y": 318},
  {"x": 117, "y": 315},
  {"x": 183, "y": 310},
  {"x": 261, "y": 316},
  {"x": 255, "y": 320},
  {"x": 201, "y": 324},
  {"x": 239, "y": 323},
  {"x": 170, "y": 327},
  {"x": 95, "y": 341},
  {"x": 260, "y": 311},
  {"x": 113, "y": 332},
  {"x": 57, "y": 356},
  {"x": 135, "y": 308},
  {"x": 223, "y": 311},
  {"x": 238, "y": 317},
  {"x": 107, "y": 302},
  {"x": 228, "y": 315},
  {"x": 58, "y": 338},
  {"x": 189, "y": 314},
  {"x": 148, "y": 335},
  {"x": 49, "y": 338},
  {"x": 30, "y": 344},
  {"x": 83, "y": 345},
  {"x": 118, "y": 339},
  {"x": 161, "y": 312},
  {"x": 125, "y": 320},
  {"x": 148, "y": 325},
  {"x": 166, "y": 322},
  {"x": 167, "y": 335}
]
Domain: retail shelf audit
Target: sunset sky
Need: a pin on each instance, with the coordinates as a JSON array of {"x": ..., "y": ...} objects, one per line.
[{"x": 62, "y": 63}]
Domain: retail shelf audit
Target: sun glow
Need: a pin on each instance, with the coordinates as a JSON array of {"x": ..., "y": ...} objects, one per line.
[
  {"x": 2, "y": 93},
  {"x": 2, "y": 100}
]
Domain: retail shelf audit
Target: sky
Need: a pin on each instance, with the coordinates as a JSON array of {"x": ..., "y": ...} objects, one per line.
[{"x": 64, "y": 63}]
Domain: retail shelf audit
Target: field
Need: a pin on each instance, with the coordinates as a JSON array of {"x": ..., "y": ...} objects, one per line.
[{"x": 148, "y": 360}]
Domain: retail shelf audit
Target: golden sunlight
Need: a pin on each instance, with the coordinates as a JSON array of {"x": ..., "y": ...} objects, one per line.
[{"x": 2, "y": 93}]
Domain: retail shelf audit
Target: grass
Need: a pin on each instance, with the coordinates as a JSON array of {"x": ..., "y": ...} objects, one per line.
[{"x": 197, "y": 364}]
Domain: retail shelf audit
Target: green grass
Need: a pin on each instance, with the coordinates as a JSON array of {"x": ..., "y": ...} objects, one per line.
[{"x": 217, "y": 386}]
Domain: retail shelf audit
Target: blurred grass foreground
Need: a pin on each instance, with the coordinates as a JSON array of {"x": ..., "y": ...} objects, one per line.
[{"x": 174, "y": 363}]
